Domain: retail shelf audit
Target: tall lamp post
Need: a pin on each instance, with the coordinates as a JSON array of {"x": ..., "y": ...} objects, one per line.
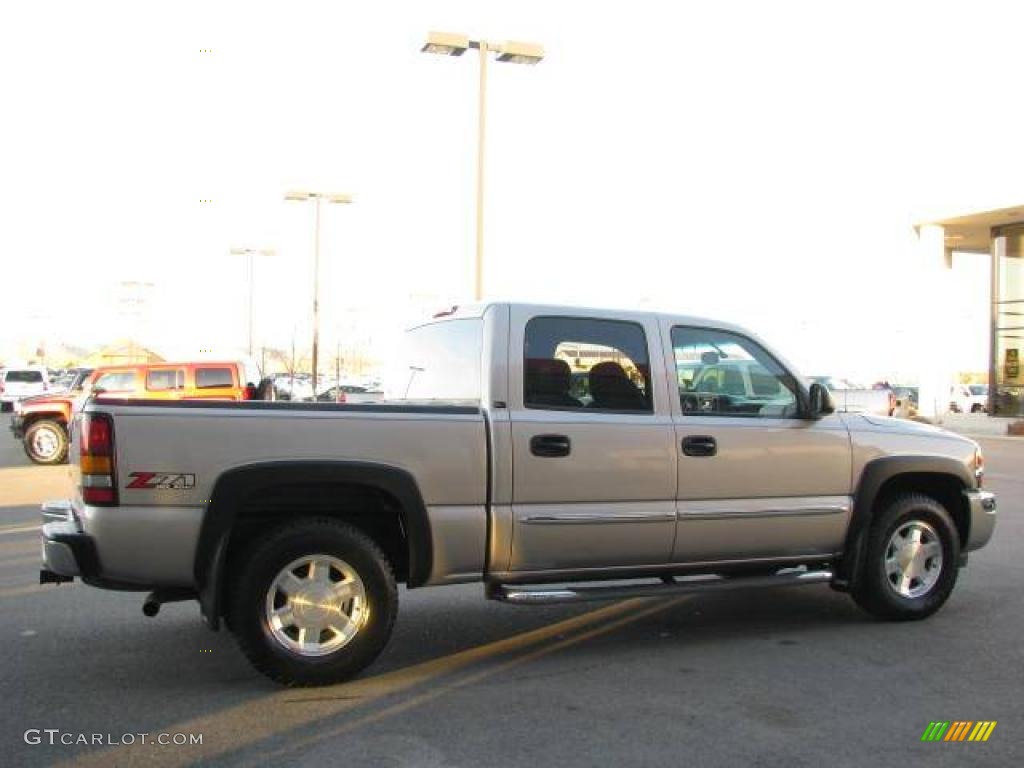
[
  {"x": 448, "y": 44},
  {"x": 316, "y": 197},
  {"x": 251, "y": 253}
]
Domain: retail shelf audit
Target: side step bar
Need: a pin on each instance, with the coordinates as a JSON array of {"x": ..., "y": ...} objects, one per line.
[{"x": 669, "y": 586}]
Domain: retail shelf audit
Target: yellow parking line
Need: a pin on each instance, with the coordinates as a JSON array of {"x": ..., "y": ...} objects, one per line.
[
  {"x": 436, "y": 692},
  {"x": 254, "y": 721}
]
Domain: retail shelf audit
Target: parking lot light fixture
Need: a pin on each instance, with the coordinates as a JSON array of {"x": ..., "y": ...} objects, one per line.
[
  {"x": 445, "y": 44},
  {"x": 450, "y": 44},
  {"x": 520, "y": 53},
  {"x": 316, "y": 197}
]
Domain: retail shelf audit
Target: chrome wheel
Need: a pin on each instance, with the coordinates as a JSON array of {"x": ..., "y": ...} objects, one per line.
[
  {"x": 316, "y": 605},
  {"x": 913, "y": 559},
  {"x": 45, "y": 443}
]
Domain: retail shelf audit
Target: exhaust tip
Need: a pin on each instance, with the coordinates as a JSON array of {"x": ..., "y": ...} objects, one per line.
[{"x": 151, "y": 608}]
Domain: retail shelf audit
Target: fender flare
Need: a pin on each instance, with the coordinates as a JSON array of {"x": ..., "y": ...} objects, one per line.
[
  {"x": 875, "y": 475},
  {"x": 235, "y": 486}
]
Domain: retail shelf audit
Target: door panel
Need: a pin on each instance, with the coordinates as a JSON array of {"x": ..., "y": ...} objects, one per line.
[
  {"x": 609, "y": 502},
  {"x": 740, "y": 529},
  {"x": 762, "y": 468}
]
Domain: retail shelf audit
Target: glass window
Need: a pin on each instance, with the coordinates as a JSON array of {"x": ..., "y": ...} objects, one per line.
[
  {"x": 163, "y": 379},
  {"x": 440, "y": 361},
  {"x": 207, "y": 378},
  {"x": 576, "y": 363},
  {"x": 724, "y": 374},
  {"x": 116, "y": 381},
  {"x": 24, "y": 377}
]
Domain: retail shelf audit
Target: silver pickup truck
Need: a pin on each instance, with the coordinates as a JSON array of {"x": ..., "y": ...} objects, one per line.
[{"x": 538, "y": 450}]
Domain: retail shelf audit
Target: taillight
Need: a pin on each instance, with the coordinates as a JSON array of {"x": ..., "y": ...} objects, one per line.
[{"x": 96, "y": 460}]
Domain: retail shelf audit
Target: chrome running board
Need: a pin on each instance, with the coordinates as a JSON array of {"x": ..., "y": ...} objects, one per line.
[{"x": 669, "y": 586}]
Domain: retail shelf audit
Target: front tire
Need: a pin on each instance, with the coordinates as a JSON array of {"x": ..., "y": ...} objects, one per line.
[
  {"x": 911, "y": 560},
  {"x": 46, "y": 442},
  {"x": 313, "y": 603}
]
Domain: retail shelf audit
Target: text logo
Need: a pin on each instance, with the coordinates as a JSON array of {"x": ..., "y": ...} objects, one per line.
[
  {"x": 164, "y": 480},
  {"x": 958, "y": 730}
]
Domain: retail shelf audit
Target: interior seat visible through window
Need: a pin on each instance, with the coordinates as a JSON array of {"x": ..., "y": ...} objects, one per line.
[
  {"x": 547, "y": 383},
  {"x": 612, "y": 389}
]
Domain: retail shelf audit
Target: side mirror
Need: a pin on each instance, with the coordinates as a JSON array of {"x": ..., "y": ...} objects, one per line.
[{"x": 820, "y": 401}]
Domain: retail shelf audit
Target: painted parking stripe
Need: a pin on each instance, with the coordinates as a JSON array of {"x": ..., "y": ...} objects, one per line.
[{"x": 254, "y": 721}]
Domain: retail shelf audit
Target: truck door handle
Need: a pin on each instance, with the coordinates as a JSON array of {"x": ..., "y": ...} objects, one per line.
[
  {"x": 550, "y": 445},
  {"x": 699, "y": 445}
]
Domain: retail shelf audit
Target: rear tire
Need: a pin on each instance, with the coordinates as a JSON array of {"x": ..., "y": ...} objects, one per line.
[
  {"x": 313, "y": 603},
  {"x": 910, "y": 561},
  {"x": 46, "y": 442}
]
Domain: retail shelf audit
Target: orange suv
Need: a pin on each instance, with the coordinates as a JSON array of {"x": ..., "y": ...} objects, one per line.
[{"x": 41, "y": 422}]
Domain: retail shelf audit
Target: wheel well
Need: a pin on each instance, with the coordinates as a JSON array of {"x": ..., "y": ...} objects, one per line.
[
  {"x": 372, "y": 510},
  {"x": 945, "y": 489},
  {"x": 31, "y": 418}
]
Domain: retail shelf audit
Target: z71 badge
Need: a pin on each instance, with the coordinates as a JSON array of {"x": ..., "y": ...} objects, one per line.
[{"x": 165, "y": 480}]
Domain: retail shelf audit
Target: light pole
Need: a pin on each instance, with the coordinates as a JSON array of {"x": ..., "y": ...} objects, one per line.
[
  {"x": 251, "y": 253},
  {"x": 448, "y": 44},
  {"x": 316, "y": 197}
]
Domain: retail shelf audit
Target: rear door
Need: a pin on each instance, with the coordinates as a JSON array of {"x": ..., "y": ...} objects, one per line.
[{"x": 594, "y": 466}]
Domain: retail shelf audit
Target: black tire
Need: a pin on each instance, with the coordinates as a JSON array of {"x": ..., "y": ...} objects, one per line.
[
  {"x": 874, "y": 592},
  {"x": 977, "y": 408},
  {"x": 53, "y": 430},
  {"x": 267, "y": 557}
]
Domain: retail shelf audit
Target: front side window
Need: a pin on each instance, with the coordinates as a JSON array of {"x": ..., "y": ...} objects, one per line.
[
  {"x": 584, "y": 363},
  {"x": 208, "y": 378},
  {"x": 163, "y": 379},
  {"x": 724, "y": 374},
  {"x": 115, "y": 381}
]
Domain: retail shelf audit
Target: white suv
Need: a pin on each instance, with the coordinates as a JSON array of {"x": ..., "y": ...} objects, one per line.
[{"x": 18, "y": 383}]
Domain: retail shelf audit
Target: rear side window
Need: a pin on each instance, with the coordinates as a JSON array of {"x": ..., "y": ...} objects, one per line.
[
  {"x": 116, "y": 381},
  {"x": 208, "y": 378},
  {"x": 24, "y": 377},
  {"x": 440, "y": 361},
  {"x": 586, "y": 363},
  {"x": 164, "y": 379}
]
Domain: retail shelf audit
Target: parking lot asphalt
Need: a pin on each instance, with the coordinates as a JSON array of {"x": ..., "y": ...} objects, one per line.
[{"x": 789, "y": 677}]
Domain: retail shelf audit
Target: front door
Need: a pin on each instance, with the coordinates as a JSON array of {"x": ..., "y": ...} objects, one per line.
[
  {"x": 756, "y": 479},
  {"x": 594, "y": 465}
]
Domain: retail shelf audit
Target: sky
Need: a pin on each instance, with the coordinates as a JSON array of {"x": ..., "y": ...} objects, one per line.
[{"x": 762, "y": 163}]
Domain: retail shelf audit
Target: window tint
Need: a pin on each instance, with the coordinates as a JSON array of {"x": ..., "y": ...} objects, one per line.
[
  {"x": 440, "y": 361},
  {"x": 577, "y": 363},
  {"x": 214, "y": 377},
  {"x": 724, "y": 374},
  {"x": 116, "y": 381},
  {"x": 163, "y": 379},
  {"x": 24, "y": 377}
]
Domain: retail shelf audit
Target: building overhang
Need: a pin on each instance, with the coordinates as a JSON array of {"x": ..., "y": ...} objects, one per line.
[{"x": 972, "y": 232}]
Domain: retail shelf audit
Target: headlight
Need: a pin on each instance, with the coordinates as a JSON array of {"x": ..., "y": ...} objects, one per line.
[{"x": 979, "y": 466}]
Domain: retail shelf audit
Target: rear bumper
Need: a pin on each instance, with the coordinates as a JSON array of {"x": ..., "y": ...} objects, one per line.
[
  {"x": 982, "y": 505},
  {"x": 66, "y": 550}
]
